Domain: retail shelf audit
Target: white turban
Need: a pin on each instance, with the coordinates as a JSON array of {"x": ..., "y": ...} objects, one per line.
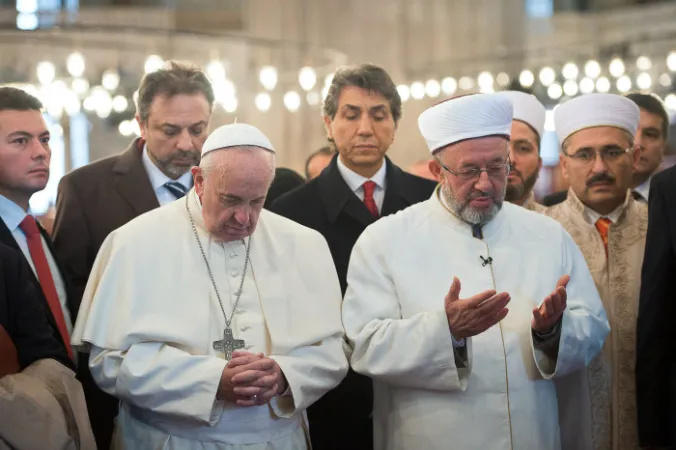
[
  {"x": 468, "y": 117},
  {"x": 527, "y": 109},
  {"x": 236, "y": 135},
  {"x": 596, "y": 110}
]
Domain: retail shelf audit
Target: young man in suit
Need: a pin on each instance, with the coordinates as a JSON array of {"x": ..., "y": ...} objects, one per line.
[
  {"x": 174, "y": 110},
  {"x": 24, "y": 170},
  {"x": 655, "y": 333},
  {"x": 361, "y": 113},
  {"x": 651, "y": 137},
  {"x": 22, "y": 316}
]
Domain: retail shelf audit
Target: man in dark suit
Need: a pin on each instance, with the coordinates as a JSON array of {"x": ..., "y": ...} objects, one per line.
[
  {"x": 656, "y": 329},
  {"x": 174, "y": 110},
  {"x": 24, "y": 170},
  {"x": 651, "y": 137},
  {"x": 361, "y": 113},
  {"x": 22, "y": 314}
]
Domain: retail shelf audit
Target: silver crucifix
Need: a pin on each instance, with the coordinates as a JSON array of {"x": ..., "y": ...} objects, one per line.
[{"x": 228, "y": 343}]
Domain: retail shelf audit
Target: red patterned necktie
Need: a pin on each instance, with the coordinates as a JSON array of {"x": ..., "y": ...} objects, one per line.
[
  {"x": 369, "y": 187},
  {"x": 602, "y": 225},
  {"x": 30, "y": 229}
]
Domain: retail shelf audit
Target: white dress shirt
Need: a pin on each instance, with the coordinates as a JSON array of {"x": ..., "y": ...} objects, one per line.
[
  {"x": 158, "y": 179},
  {"x": 13, "y": 214},
  {"x": 356, "y": 182},
  {"x": 592, "y": 216},
  {"x": 643, "y": 189}
]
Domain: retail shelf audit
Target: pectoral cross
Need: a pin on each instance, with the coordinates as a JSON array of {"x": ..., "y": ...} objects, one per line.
[{"x": 228, "y": 343}]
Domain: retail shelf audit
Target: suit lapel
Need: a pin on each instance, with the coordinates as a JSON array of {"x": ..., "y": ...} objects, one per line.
[
  {"x": 338, "y": 197},
  {"x": 6, "y": 236},
  {"x": 131, "y": 180}
]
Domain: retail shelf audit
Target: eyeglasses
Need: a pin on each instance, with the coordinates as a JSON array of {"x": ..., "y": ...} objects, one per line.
[
  {"x": 608, "y": 155},
  {"x": 473, "y": 173}
]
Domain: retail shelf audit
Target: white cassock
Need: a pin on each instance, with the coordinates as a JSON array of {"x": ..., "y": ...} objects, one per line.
[
  {"x": 150, "y": 317},
  {"x": 503, "y": 397}
]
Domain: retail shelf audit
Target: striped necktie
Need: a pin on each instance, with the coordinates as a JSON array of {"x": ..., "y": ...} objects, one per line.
[{"x": 176, "y": 189}]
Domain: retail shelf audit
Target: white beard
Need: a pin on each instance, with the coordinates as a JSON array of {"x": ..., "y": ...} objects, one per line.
[{"x": 469, "y": 214}]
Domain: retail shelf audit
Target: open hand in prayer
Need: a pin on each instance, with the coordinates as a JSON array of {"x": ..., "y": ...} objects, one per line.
[
  {"x": 257, "y": 379},
  {"x": 471, "y": 316},
  {"x": 551, "y": 310}
]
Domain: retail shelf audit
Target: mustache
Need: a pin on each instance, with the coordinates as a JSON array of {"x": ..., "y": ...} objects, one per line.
[
  {"x": 186, "y": 154},
  {"x": 601, "y": 177},
  {"x": 477, "y": 193}
]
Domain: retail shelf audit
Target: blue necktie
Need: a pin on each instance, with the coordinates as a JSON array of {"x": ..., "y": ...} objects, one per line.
[{"x": 176, "y": 188}]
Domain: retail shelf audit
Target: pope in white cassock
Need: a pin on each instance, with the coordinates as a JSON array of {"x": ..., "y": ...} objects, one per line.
[
  {"x": 472, "y": 372},
  {"x": 216, "y": 323}
]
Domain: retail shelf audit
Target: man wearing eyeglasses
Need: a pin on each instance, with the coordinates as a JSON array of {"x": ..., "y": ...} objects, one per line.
[
  {"x": 597, "y": 158},
  {"x": 528, "y": 125},
  {"x": 464, "y": 307}
]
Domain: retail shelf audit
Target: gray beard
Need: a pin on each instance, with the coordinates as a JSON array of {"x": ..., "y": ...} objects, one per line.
[{"x": 469, "y": 214}]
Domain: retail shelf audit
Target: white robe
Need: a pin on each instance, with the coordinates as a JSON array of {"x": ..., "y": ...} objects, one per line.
[
  {"x": 393, "y": 312},
  {"x": 151, "y": 316}
]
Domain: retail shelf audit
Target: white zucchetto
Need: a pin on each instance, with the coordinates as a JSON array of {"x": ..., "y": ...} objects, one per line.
[
  {"x": 236, "y": 135},
  {"x": 467, "y": 117},
  {"x": 596, "y": 110},
  {"x": 527, "y": 109}
]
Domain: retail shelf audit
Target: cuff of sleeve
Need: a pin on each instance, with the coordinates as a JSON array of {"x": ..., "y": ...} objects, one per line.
[
  {"x": 545, "y": 336},
  {"x": 217, "y": 406},
  {"x": 283, "y": 406},
  {"x": 216, "y": 412},
  {"x": 287, "y": 392}
]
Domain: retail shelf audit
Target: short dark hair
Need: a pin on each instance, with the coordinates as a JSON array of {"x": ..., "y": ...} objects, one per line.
[
  {"x": 326, "y": 151},
  {"x": 285, "y": 180},
  {"x": 18, "y": 100},
  {"x": 365, "y": 76},
  {"x": 654, "y": 105},
  {"x": 174, "y": 79}
]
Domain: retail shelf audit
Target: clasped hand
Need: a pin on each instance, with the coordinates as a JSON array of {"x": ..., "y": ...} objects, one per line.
[
  {"x": 474, "y": 315},
  {"x": 250, "y": 379}
]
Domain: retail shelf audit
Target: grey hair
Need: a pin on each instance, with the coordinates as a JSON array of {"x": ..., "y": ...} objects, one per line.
[
  {"x": 208, "y": 163},
  {"x": 566, "y": 142}
]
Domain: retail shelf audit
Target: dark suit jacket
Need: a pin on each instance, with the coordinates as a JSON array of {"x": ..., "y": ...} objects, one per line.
[
  {"x": 7, "y": 239},
  {"x": 342, "y": 418},
  {"x": 93, "y": 201},
  {"x": 656, "y": 329},
  {"x": 22, "y": 314}
]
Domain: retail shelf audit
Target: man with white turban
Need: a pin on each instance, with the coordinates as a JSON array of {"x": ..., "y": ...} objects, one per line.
[
  {"x": 598, "y": 157},
  {"x": 528, "y": 126},
  {"x": 215, "y": 322},
  {"x": 454, "y": 367}
]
